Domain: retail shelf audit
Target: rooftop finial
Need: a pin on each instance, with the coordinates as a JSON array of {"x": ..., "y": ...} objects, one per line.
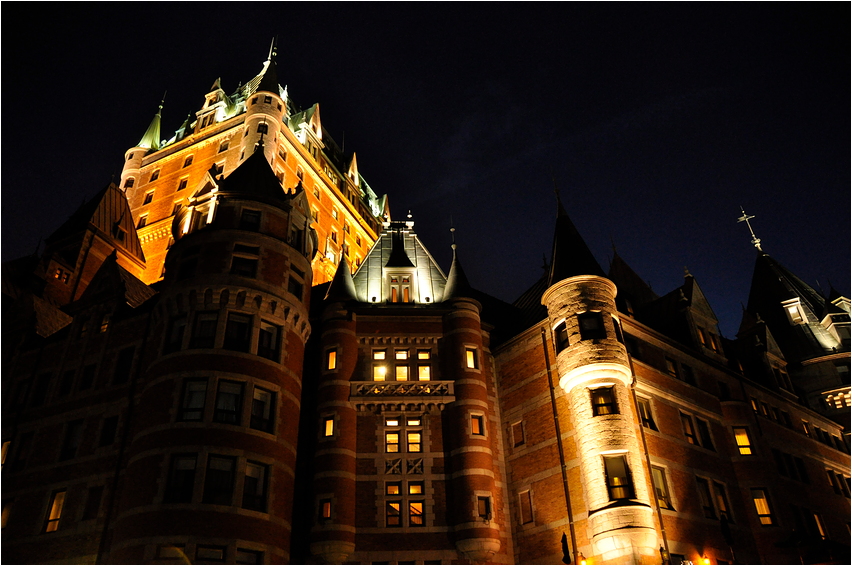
[
  {"x": 452, "y": 232},
  {"x": 754, "y": 239},
  {"x": 273, "y": 48}
]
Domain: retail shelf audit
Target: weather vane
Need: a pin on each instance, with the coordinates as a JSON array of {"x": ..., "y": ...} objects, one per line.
[{"x": 754, "y": 239}]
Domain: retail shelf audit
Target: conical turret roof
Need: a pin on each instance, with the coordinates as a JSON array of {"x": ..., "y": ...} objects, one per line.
[
  {"x": 571, "y": 255},
  {"x": 151, "y": 139},
  {"x": 342, "y": 287},
  {"x": 457, "y": 283},
  {"x": 255, "y": 178}
]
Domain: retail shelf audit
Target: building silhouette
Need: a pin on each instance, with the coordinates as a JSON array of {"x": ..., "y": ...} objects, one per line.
[{"x": 235, "y": 355}]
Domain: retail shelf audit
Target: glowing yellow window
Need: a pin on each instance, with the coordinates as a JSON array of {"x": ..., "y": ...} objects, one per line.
[
  {"x": 415, "y": 487},
  {"x": 401, "y": 354},
  {"x": 392, "y": 422},
  {"x": 393, "y": 488},
  {"x": 56, "y": 504},
  {"x": 414, "y": 442},
  {"x": 424, "y": 373},
  {"x": 424, "y": 354},
  {"x": 391, "y": 442},
  {"x": 402, "y": 373},
  {"x": 743, "y": 440},
  {"x": 331, "y": 359},
  {"x": 328, "y": 426},
  {"x": 379, "y": 354},
  {"x": 412, "y": 422},
  {"x": 471, "y": 358},
  {"x": 380, "y": 371}
]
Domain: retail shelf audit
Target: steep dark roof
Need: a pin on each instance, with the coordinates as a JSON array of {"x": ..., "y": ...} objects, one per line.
[
  {"x": 254, "y": 178},
  {"x": 342, "y": 287},
  {"x": 457, "y": 283},
  {"x": 398, "y": 257},
  {"x": 571, "y": 256},
  {"x": 269, "y": 80},
  {"x": 629, "y": 284}
]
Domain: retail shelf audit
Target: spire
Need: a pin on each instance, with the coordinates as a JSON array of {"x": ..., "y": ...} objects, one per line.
[
  {"x": 269, "y": 80},
  {"x": 754, "y": 239},
  {"x": 342, "y": 287},
  {"x": 151, "y": 139},
  {"x": 398, "y": 256},
  {"x": 571, "y": 256},
  {"x": 457, "y": 283}
]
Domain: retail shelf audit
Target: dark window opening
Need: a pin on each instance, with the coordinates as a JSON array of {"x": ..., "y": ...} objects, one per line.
[
  {"x": 250, "y": 220},
  {"x": 108, "y": 431},
  {"x": 591, "y": 326},
  {"x": 219, "y": 481},
  {"x": 238, "y": 332},
  {"x": 254, "y": 486},
  {"x": 192, "y": 404},
  {"x": 561, "y": 337},
  {"x": 262, "y": 410},
  {"x": 174, "y": 336},
  {"x": 71, "y": 442},
  {"x": 123, "y": 365},
  {"x": 229, "y": 402},
  {"x": 205, "y": 330}
]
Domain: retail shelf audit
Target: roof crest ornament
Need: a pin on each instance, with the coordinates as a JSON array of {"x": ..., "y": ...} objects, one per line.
[{"x": 754, "y": 239}]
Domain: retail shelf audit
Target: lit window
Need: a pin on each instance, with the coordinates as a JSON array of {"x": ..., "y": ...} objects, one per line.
[
  {"x": 54, "y": 513},
  {"x": 591, "y": 326},
  {"x": 262, "y": 411},
  {"x": 105, "y": 322},
  {"x": 661, "y": 488},
  {"x": 401, "y": 373},
  {"x": 194, "y": 395},
  {"x": 618, "y": 480},
  {"x": 688, "y": 429},
  {"x": 415, "y": 513},
  {"x": 392, "y": 442},
  {"x": 219, "y": 481},
  {"x": 331, "y": 359},
  {"x": 645, "y": 414},
  {"x": 424, "y": 372},
  {"x": 229, "y": 403},
  {"x": 393, "y": 488},
  {"x": 424, "y": 354},
  {"x": 743, "y": 441},
  {"x": 380, "y": 372},
  {"x": 148, "y": 198},
  {"x": 325, "y": 509},
  {"x": 414, "y": 441},
  {"x": 471, "y": 358},
  {"x": 477, "y": 425},
  {"x": 394, "y": 421},
  {"x": 762, "y": 506},
  {"x": 526, "y": 507},
  {"x": 6, "y": 444},
  {"x": 415, "y": 488},
  {"x": 401, "y": 354},
  {"x": 823, "y": 534},
  {"x": 328, "y": 426},
  {"x": 603, "y": 401},
  {"x": 393, "y": 513},
  {"x": 254, "y": 486}
]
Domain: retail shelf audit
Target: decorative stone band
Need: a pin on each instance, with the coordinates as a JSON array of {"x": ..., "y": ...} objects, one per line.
[
  {"x": 333, "y": 552},
  {"x": 585, "y": 375},
  {"x": 403, "y": 389},
  {"x": 578, "y": 279},
  {"x": 478, "y": 550}
]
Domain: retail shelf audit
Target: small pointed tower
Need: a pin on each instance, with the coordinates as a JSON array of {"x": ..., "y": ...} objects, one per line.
[
  {"x": 595, "y": 374},
  {"x": 265, "y": 108},
  {"x": 133, "y": 157}
]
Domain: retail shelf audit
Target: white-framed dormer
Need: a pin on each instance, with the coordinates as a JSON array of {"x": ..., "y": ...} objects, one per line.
[{"x": 794, "y": 311}]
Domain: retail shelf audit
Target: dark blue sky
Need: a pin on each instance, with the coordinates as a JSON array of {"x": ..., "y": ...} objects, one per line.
[{"x": 657, "y": 122}]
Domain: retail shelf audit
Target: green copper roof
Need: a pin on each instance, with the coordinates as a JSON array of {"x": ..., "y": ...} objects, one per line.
[{"x": 151, "y": 139}]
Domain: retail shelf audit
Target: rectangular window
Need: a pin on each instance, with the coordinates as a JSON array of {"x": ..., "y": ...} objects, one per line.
[
  {"x": 324, "y": 510},
  {"x": 688, "y": 429},
  {"x": 143, "y": 221},
  {"x": 560, "y": 334},
  {"x": 415, "y": 514},
  {"x": 250, "y": 220},
  {"x": 820, "y": 527},
  {"x": 483, "y": 507},
  {"x": 661, "y": 488},
  {"x": 401, "y": 373},
  {"x": 705, "y": 498},
  {"x": 54, "y": 511},
  {"x": 181, "y": 479},
  {"x": 205, "y": 554},
  {"x": 108, "y": 430},
  {"x": 204, "y": 335},
  {"x": 268, "y": 340},
  {"x": 262, "y": 409},
  {"x": 415, "y": 488},
  {"x": 671, "y": 367},
  {"x": 722, "y": 501},
  {"x": 477, "y": 425},
  {"x": 224, "y": 146},
  {"x": 414, "y": 439},
  {"x": 618, "y": 480},
  {"x": 393, "y": 488},
  {"x": 400, "y": 354},
  {"x": 704, "y": 434},
  {"x": 176, "y": 208},
  {"x": 148, "y": 198},
  {"x": 762, "y": 506},
  {"x": 73, "y": 436},
  {"x": 603, "y": 401},
  {"x": 123, "y": 365},
  {"x": 93, "y": 502},
  {"x": 379, "y": 372},
  {"x": 229, "y": 403},
  {"x": 393, "y": 513},
  {"x": 518, "y": 438},
  {"x": 526, "y": 507},
  {"x": 392, "y": 442},
  {"x": 645, "y": 413},
  {"x": 591, "y": 326},
  {"x": 254, "y": 486},
  {"x": 188, "y": 161},
  {"x": 688, "y": 374},
  {"x": 743, "y": 440},
  {"x": 244, "y": 266},
  {"x": 219, "y": 482},
  {"x": 174, "y": 336},
  {"x": 238, "y": 332},
  {"x": 192, "y": 405},
  {"x": 424, "y": 372},
  {"x": 328, "y": 426},
  {"x": 22, "y": 452},
  {"x": 182, "y": 184},
  {"x": 245, "y": 556},
  {"x": 471, "y": 358}
]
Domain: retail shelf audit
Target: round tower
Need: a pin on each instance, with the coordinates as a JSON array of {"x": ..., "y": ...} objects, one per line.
[
  {"x": 213, "y": 455},
  {"x": 594, "y": 373},
  {"x": 133, "y": 157},
  {"x": 265, "y": 110},
  {"x": 470, "y": 435},
  {"x": 333, "y": 533}
]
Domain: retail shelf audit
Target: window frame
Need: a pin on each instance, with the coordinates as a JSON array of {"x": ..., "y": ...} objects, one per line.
[
  {"x": 603, "y": 401},
  {"x": 55, "y": 506}
]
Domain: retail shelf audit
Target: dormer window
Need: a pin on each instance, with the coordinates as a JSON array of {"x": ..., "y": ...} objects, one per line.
[
  {"x": 794, "y": 312},
  {"x": 400, "y": 288}
]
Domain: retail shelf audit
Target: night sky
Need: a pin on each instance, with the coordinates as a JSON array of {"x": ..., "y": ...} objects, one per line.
[{"x": 657, "y": 121}]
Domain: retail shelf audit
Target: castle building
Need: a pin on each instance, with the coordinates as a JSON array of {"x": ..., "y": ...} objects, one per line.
[{"x": 227, "y": 382}]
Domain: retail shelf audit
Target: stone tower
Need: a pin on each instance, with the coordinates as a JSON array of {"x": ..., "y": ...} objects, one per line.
[{"x": 594, "y": 371}]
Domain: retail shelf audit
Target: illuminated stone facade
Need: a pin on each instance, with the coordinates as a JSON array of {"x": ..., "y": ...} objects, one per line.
[{"x": 206, "y": 388}]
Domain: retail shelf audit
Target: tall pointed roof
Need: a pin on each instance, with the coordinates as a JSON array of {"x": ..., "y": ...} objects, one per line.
[
  {"x": 254, "y": 177},
  {"x": 571, "y": 256},
  {"x": 457, "y": 283},
  {"x": 342, "y": 288},
  {"x": 398, "y": 257},
  {"x": 629, "y": 283},
  {"x": 151, "y": 139},
  {"x": 269, "y": 75}
]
